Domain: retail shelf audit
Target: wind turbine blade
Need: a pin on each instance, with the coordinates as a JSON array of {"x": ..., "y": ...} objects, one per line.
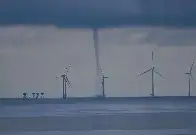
[
  {"x": 66, "y": 79},
  {"x": 145, "y": 72},
  {"x": 68, "y": 82},
  {"x": 152, "y": 55},
  {"x": 101, "y": 71},
  {"x": 67, "y": 69},
  {"x": 62, "y": 75},
  {"x": 69, "y": 85},
  {"x": 193, "y": 79},
  {"x": 192, "y": 66},
  {"x": 159, "y": 74}
]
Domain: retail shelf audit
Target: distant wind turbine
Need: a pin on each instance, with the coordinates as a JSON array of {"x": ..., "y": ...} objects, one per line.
[
  {"x": 24, "y": 95},
  {"x": 42, "y": 95},
  {"x": 65, "y": 82},
  {"x": 153, "y": 70},
  {"x": 37, "y": 95},
  {"x": 103, "y": 83},
  {"x": 33, "y": 95},
  {"x": 190, "y": 77}
]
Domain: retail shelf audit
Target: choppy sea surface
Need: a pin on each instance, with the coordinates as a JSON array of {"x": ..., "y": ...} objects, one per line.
[{"x": 115, "y": 117}]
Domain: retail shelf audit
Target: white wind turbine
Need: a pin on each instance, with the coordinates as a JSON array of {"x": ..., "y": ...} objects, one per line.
[
  {"x": 153, "y": 70},
  {"x": 190, "y": 77},
  {"x": 65, "y": 82},
  {"x": 103, "y": 83}
]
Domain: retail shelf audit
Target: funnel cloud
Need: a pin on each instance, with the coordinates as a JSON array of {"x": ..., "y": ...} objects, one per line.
[{"x": 98, "y": 77}]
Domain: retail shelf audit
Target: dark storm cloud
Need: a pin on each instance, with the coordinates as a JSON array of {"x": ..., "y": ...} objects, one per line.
[{"x": 98, "y": 13}]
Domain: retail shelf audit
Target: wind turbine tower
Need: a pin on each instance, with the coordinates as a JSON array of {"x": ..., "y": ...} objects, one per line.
[
  {"x": 103, "y": 83},
  {"x": 153, "y": 71},
  {"x": 65, "y": 82},
  {"x": 190, "y": 77}
]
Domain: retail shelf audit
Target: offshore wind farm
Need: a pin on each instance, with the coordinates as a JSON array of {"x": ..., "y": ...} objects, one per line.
[
  {"x": 101, "y": 113},
  {"x": 69, "y": 67},
  {"x": 99, "y": 90}
]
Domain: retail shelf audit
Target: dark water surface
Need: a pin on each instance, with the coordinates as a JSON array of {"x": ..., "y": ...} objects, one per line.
[{"x": 89, "y": 116}]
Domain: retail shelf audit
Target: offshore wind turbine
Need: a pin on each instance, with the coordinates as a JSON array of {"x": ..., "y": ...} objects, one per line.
[
  {"x": 103, "y": 83},
  {"x": 65, "y": 82},
  {"x": 33, "y": 95},
  {"x": 190, "y": 77},
  {"x": 37, "y": 95},
  {"x": 153, "y": 71}
]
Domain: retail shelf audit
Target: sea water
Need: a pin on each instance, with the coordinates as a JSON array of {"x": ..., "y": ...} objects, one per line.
[{"x": 100, "y": 117}]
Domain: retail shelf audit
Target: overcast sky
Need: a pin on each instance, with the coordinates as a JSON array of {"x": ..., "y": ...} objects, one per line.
[
  {"x": 98, "y": 13},
  {"x": 34, "y": 49}
]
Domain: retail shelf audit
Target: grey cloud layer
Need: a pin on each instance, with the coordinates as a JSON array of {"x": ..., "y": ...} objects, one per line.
[
  {"x": 161, "y": 36},
  {"x": 17, "y": 37},
  {"x": 101, "y": 13}
]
